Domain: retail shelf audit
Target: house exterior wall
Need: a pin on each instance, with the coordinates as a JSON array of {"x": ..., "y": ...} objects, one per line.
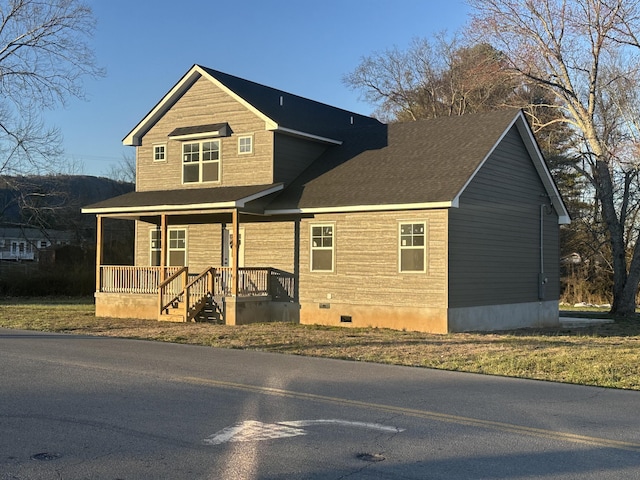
[
  {"x": 204, "y": 243},
  {"x": 494, "y": 245},
  {"x": 366, "y": 284},
  {"x": 292, "y": 155},
  {"x": 204, "y": 103}
]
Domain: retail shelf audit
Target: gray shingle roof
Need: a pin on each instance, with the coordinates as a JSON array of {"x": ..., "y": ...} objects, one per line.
[
  {"x": 292, "y": 111},
  {"x": 426, "y": 161},
  {"x": 135, "y": 201}
]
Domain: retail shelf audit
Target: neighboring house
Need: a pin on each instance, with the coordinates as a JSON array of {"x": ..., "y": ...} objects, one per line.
[
  {"x": 27, "y": 244},
  {"x": 283, "y": 208}
]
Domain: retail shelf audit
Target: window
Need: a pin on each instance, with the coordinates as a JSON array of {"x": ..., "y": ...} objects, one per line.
[
  {"x": 177, "y": 251},
  {"x": 245, "y": 145},
  {"x": 201, "y": 161},
  {"x": 155, "y": 247},
  {"x": 412, "y": 247},
  {"x": 322, "y": 248},
  {"x": 177, "y": 248},
  {"x": 43, "y": 244},
  {"x": 159, "y": 153}
]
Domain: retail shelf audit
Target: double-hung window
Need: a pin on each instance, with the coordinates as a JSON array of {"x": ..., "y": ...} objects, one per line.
[
  {"x": 322, "y": 248},
  {"x": 177, "y": 247},
  {"x": 201, "y": 161},
  {"x": 413, "y": 252}
]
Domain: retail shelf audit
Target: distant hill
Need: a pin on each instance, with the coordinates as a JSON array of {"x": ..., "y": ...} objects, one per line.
[{"x": 54, "y": 201}]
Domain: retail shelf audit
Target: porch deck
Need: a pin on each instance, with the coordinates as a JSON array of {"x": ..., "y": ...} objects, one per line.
[{"x": 175, "y": 293}]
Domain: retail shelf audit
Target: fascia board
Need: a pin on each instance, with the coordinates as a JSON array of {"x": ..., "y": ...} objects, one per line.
[
  {"x": 363, "y": 208},
  {"x": 538, "y": 161},
  {"x": 134, "y": 137}
]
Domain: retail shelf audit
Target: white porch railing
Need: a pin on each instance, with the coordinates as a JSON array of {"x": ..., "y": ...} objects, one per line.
[
  {"x": 126, "y": 279},
  {"x": 252, "y": 281}
]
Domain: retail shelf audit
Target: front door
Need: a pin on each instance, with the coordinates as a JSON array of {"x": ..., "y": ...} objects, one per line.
[{"x": 227, "y": 251}]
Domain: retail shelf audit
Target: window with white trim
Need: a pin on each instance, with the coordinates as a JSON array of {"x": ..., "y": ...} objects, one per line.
[
  {"x": 177, "y": 247},
  {"x": 322, "y": 248},
  {"x": 412, "y": 247},
  {"x": 177, "y": 251},
  {"x": 159, "y": 153},
  {"x": 245, "y": 144},
  {"x": 155, "y": 244},
  {"x": 201, "y": 161}
]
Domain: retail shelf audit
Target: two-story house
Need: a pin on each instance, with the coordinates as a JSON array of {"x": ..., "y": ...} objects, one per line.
[{"x": 254, "y": 204}]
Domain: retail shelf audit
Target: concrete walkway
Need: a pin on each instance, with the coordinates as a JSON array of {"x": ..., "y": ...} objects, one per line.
[{"x": 572, "y": 322}]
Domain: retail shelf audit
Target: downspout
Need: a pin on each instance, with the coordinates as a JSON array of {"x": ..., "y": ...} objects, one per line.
[{"x": 542, "y": 279}]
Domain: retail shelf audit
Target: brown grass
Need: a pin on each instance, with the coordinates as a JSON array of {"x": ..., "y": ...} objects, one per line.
[{"x": 606, "y": 355}]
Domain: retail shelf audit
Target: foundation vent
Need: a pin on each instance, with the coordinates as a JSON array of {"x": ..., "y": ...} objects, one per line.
[{"x": 345, "y": 318}]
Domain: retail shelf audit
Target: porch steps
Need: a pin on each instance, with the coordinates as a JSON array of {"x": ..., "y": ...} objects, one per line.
[{"x": 209, "y": 309}]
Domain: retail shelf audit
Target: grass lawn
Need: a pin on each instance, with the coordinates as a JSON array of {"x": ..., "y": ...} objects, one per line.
[{"x": 606, "y": 355}]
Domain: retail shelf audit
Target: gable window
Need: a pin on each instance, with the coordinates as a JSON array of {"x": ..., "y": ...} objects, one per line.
[
  {"x": 201, "y": 161},
  {"x": 177, "y": 251},
  {"x": 159, "y": 153},
  {"x": 245, "y": 144},
  {"x": 322, "y": 248},
  {"x": 413, "y": 252}
]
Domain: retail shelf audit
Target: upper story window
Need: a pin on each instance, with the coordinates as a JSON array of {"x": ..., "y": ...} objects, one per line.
[
  {"x": 159, "y": 153},
  {"x": 322, "y": 248},
  {"x": 245, "y": 144},
  {"x": 201, "y": 161},
  {"x": 413, "y": 247}
]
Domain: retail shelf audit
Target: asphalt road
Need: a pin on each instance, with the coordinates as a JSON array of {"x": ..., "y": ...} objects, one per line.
[{"x": 74, "y": 407}]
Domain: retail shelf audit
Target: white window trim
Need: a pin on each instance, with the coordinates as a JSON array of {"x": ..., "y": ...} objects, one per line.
[
  {"x": 424, "y": 247},
  {"x": 186, "y": 243},
  {"x": 156, "y": 145},
  {"x": 200, "y": 162},
  {"x": 169, "y": 229},
  {"x": 250, "y": 137},
  {"x": 151, "y": 249},
  {"x": 332, "y": 248}
]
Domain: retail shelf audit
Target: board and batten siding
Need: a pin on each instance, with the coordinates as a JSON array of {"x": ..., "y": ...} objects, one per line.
[
  {"x": 366, "y": 262},
  {"x": 203, "y": 104},
  {"x": 292, "y": 155},
  {"x": 494, "y": 235}
]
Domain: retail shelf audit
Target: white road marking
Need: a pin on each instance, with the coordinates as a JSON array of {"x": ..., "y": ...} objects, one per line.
[
  {"x": 252, "y": 430},
  {"x": 370, "y": 426}
]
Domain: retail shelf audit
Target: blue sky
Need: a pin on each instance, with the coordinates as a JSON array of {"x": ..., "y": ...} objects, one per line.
[{"x": 298, "y": 46}]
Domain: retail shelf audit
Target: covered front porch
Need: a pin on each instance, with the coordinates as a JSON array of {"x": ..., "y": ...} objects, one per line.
[
  {"x": 188, "y": 260},
  {"x": 261, "y": 294}
]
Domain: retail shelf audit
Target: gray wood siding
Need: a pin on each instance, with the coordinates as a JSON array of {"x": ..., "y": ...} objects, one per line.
[
  {"x": 204, "y": 104},
  {"x": 366, "y": 261},
  {"x": 494, "y": 235},
  {"x": 293, "y": 155}
]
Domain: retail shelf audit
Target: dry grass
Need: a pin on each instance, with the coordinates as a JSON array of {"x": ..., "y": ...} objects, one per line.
[{"x": 607, "y": 355}]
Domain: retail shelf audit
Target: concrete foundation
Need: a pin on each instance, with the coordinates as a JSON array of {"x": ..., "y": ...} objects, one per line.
[{"x": 504, "y": 317}]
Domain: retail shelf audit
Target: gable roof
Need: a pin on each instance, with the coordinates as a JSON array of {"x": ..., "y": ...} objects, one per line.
[
  {"x": 423, "y": 164},
  {"x": 281, "y": 111}
]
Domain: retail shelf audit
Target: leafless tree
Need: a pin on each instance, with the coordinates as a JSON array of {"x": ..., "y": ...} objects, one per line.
[
  {"x": 125, "y": 170},
  {"x": 586, "y": 54},
  {"x": 44, "y": 57}
]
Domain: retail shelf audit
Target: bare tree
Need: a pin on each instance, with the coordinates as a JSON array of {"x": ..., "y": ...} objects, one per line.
[
  {"x": 586, "y": 54},
  {"x": 44, "y": 56},
  {"x": 125, "y": 170}
]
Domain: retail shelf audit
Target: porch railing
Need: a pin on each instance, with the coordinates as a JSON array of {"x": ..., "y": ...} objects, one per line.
[
  {"x": 127, "y": 279},
  {"x": 252, "y": 281}
]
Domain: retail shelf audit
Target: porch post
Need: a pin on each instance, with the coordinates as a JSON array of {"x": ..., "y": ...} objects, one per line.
[
  {"x": 163, "y": 247},
  {"x": 99, "y": 252},
  {"x": 235, "y": 253}
]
